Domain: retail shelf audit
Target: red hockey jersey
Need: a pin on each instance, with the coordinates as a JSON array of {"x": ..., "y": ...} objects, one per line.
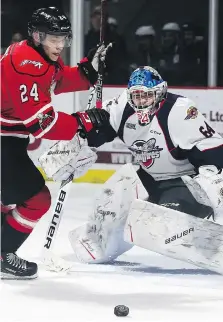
[{"x": 27, "y": 81}]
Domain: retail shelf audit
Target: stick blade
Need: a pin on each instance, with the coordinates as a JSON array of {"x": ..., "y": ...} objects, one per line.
[{"x": 54, "y": 263}]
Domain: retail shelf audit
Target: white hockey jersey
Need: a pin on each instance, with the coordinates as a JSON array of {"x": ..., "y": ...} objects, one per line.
[{"x": 178, "y": 138}]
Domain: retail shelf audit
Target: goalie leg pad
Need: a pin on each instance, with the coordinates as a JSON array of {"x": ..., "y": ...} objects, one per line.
[
  {"x": 101, "y": 240},
  {"x": 175, "y": 234},
  {"x": 88, "y": 247}
]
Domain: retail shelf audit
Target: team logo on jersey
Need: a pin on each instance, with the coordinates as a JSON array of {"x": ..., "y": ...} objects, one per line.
[
  {"x": 192, "y": 113},
  {"x": 113, "y": 101},
  {"x": 145, "y": 152},
  {"x": 33, "y": 62},
  {"x": 44, "y": 120}
]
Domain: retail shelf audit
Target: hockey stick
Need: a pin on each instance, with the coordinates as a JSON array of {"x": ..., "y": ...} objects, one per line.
[
  {"x": 98, "y": 87},
  {"x": 91, "y": 98},
  {"x": 99, "y": 84},
  {"x": 51, "y": 261}
]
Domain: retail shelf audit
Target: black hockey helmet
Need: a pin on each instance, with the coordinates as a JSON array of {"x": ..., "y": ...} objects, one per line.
[{"x": 50, "y": 21}]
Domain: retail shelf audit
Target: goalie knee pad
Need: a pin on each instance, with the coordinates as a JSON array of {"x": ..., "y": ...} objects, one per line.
[{"x": 24, "y": 217}]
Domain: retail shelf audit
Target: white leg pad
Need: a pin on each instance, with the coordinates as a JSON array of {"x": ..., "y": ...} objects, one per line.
[
  {"x": 175, "y": 234},
  {"x": 101, "y": 239}
]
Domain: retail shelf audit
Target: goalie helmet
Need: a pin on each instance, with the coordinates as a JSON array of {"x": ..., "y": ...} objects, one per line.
[
  {"x": 50, "y": 21},
  {"x": 146, "y": 89}
]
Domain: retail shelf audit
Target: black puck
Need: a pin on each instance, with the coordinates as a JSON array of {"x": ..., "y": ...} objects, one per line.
[{"x": 121, "y": 310}]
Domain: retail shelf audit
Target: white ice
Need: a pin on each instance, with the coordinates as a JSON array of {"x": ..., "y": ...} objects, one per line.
[{"x": 154, "y": 287}]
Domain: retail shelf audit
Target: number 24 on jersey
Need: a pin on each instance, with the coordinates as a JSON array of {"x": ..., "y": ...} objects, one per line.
[{"x": 27, "y": 93}]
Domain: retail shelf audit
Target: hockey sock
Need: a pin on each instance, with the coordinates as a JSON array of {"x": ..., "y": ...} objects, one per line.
[
  {"x": 11, "y": 239},
  {"x": 20, "y": 222}
]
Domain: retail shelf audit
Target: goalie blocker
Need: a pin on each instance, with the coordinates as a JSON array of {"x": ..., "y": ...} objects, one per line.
[{"x": 66, "y": 158}]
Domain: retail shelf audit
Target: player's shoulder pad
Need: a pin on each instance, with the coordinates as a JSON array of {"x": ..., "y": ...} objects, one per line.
[
  {"x": 116, "y": 107},
  {"x": 117, "y": 103},
  {"x": 27, "y": 61},
  {"x": 184, "y": 109}
]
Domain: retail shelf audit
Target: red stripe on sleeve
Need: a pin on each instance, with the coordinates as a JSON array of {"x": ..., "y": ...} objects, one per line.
[{"x": 64, "y": 129}]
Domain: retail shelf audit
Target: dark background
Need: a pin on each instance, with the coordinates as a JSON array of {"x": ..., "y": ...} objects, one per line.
[{"x": 130, "y": 14}]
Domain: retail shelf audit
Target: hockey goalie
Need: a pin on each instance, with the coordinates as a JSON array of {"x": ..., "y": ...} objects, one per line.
[{"x": 164, "y": 206}]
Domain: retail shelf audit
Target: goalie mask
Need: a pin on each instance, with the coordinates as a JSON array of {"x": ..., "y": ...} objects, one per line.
[{"x": 146, "y": 89}]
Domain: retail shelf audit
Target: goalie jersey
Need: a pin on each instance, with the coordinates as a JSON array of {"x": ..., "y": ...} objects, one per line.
[{"x": 176, "y": 141}]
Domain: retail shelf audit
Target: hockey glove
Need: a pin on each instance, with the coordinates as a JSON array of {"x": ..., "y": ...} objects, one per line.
[
  {"x": 93, "y": 119},
  {"x": 89, "y": 64},
  {"x": 68, "y": 157},
  {"x": 207, "y": 188}
]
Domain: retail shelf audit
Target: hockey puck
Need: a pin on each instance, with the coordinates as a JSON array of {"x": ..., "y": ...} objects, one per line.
[{"x": 121, "y": 310}]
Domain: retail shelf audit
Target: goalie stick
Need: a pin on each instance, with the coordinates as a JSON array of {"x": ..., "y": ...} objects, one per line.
[{"x": 51, "y": 261}]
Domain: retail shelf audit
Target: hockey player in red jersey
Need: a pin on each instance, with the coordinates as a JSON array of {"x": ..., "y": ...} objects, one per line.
[{"x": 31, "y": 70}]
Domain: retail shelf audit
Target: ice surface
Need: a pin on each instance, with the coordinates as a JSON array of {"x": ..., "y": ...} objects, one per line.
[{"x": 154, "y": 287}]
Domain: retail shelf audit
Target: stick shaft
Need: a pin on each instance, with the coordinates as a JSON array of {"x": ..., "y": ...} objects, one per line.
[{"x": 99, "y": 86}]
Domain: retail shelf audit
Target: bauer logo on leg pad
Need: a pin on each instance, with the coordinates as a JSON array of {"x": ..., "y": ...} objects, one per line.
[
  {"x": 180, "y": 235},
  {"x": 55, "y": 219}
]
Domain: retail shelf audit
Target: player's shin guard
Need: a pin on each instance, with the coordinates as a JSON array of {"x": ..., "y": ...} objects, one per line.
[{"x": 21, "y": 220}]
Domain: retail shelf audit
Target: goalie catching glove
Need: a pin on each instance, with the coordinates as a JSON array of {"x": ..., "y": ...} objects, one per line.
[{"x": 68, "y": 157}]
